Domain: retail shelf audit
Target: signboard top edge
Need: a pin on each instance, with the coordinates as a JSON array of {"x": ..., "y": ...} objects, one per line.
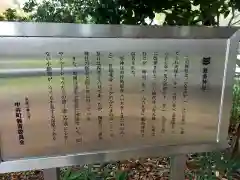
[{"x": 70, "y": 30}]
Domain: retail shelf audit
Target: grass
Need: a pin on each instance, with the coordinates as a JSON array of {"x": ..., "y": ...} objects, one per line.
[
  {"x": 91, "y": 173},
  {"x": 236, "y": 102}
]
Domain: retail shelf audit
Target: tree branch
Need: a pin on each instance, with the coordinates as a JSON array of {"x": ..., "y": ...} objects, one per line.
[
  {"x": 232, "y": 18},
  {"x": 218, "y": 19},
  {"x": 151, "y": 22},
  {"x": 238, "y": 21}
]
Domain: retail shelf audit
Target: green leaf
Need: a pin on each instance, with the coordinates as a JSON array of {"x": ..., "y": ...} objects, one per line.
[
  {"x": 121, "y": 175},
  {"x": 67, "y": 174},
  {"x": 226, "y": 13},
  {"x": 76, "y": 176}
]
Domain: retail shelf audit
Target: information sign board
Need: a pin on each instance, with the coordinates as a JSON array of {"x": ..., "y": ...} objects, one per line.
[{"x": 106, "y": 92}]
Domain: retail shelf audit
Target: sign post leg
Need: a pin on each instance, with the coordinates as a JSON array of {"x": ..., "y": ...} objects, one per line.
[
  {"x": 0, "y": 151},
  {"x": 177, "y": 167},
  {"x": 51, "y": 174}
]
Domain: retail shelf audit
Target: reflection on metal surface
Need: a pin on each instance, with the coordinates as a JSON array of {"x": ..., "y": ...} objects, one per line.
[
  {"x": 16, "y": 29},
  {"x": 112, "y": 98},
  {"x": 17, "y": 73},
  {"x": 53, "y": 104}
]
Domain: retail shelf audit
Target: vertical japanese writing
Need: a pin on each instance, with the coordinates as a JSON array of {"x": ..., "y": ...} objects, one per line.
[
  {"x": 19, "y": 117},
  {"x": 122, "y": 128},
  {"x": 133, "y": 54},
  {"x": 110, "y": 93},
  {"x": 164, "y": 92},
  {"x": 63, "y": 99},
  {"x": 185, "y": 94},
  {"x": 154, "y": 94},
  {"x": 87, "y": 85},
  {"x": 174, "y": 94},
  {"x": 143, "y": 88},
  {"x": 77, "y": 113},
  {"x": 206, "y": 61},
  {"x": 99, "y": 96},
  {"x": 50, "y": 95},
  {"x": 27, "y": 107}
]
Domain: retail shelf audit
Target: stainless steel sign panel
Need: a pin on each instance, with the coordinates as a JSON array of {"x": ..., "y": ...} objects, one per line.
[{"x": 109, "y": 92}]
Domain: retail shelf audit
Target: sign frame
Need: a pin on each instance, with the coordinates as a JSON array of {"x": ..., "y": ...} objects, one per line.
[{"x": 232, "y": 36}]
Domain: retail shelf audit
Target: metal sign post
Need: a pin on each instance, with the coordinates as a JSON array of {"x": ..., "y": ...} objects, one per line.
[
  {"x": 51, "y": 174},
  {"x": 76, "y": 94},
  {"x": 0, "y": 150},
  {"x": 178, "y": 166}
]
